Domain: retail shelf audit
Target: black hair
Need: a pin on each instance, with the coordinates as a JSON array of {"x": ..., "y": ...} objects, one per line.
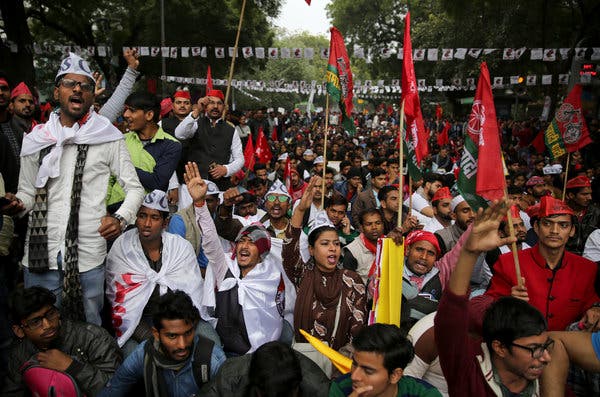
[
  {"x": 432, "y": 177},
  {"x": 515, "y": 189},
  {"x": 314, "y": 235},
  {"x": 247, "y": 197},
  {"x": 336, "y": 199},
  {"x": 387, "y": 340},
  {"x": 259, "y": 166},
  {"x": 384, "y": 191},
  {"x": 510, "y": 318},
  {"x": 330, "y": 170},
  {"x": 274, "y": 371},
  {"x": 25, "y": 301},
  {"x": 146, "y": 102},
  {"x": 377, "y": 172},
  {"x": 4, "y": 76},
  {"x": 345, "y": 163},
  {"x": 174, "y": 305},
  {"x": 367, "y": 212},
  {"x": 256, "y": 182}
]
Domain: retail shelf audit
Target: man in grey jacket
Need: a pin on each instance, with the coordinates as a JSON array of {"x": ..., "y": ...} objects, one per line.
[{"x": 83, "y": 351}]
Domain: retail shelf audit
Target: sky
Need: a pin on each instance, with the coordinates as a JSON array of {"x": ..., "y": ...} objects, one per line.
[{"x": 296, "y": 15}]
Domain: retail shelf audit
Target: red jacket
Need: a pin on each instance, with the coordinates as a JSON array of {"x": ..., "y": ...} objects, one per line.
[{"x": 562, "y": 295}]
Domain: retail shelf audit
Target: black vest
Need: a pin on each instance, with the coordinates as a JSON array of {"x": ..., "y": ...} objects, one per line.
[
  {"x": 426, "y": 302},
  {"x": 211, "y": 144},
  {"x": 231, "y": 326},
  {"x": 169, "y": 124}
]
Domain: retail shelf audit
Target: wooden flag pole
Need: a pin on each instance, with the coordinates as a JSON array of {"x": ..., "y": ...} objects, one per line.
[
  {"x": 325, "y": 151},
  {"x": 401, "y": 163},
  {"x": 235, "y": 49},
  {"x": 513, "y": 245},
  {"x": 564, "y": 192}
]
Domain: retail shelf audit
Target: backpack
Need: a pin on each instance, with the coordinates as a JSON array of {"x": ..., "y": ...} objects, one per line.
[
  {"x": 45, "y": 382},
  {"x": 201, "y": 364}
]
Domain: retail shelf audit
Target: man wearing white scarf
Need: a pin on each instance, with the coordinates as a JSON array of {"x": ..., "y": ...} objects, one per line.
[{"x": 53, "y": 172}]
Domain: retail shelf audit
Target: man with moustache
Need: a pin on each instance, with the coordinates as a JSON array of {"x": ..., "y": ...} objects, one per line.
[
  {"x": 463, "y": 216},
  {"x": 175, "y": 362},
  {"x": 65, "y": 168},
  {"x": 442, "y": 214},
  {"x": 22, "y": 106},
  {"x": 182, "y": 106},
  {"x": 85, "y": 352},
  {"x": 587, "y": 214},
  {"x": 360, "y": 254},
  {"x": 214, "y": 144}
]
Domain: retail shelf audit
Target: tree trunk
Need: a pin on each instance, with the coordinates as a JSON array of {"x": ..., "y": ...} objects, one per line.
[{"x": 20, "y": 67}]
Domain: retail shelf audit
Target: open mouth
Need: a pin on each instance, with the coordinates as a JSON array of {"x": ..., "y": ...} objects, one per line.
[
  {"x": 332, "y": 259},
  {"x": 76, "y": 99}
]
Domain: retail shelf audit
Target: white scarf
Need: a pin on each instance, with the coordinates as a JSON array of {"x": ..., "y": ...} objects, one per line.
[
  {"x": 95, "y": 130},
  {"x": 130, "y": 281}
]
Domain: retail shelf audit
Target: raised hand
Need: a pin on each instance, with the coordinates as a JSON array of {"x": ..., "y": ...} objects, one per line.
[
  {"x": 309, "y": 193},
  {"x": 98, "y": 77},
  {"x": 194, "y": 182},
  {"x": 132, "y": 58},
  {"x": 485, "y": 235}
]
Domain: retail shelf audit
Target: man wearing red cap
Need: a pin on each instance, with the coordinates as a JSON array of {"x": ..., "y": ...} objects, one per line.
[
  {"x": 22, "y": 106},
  {"x": 587, "y": 215},
  {"x": 214, "y": 144},
  {"x": 442, "y": 211},
  {"x": 537, "y": 187},
  {"x": 14, "y": 138},
  {"x": 555, "y": 281},
  {"x": 181, "y": 107}
]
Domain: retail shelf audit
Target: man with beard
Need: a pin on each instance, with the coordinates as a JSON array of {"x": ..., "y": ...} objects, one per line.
[
  {"x": 463, "y": 217},
  {"x": 65, "y": 168},
  {"x": 175, "y": 362},
  {"x": 587, "y": 215},
  {"x": 13, "y": 136},
  {"x": 368, "y": 199},
  {"x": 214, "y": 144},
  {"x": 537, "y": 187},
  {"x": 388, "y": 197},
  {"x": 360, "y": 254},
  {"x": 142, "y": 254},
  {"x": 22, "y": 106},
  {"x": 421, "y": 198},
  {"x": 442, "y": 213},
  {"x": 182, "y": 106},
  {"x": 85, "y": 352}
]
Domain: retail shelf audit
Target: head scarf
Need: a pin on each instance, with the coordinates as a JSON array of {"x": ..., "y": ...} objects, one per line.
[
  {"x": 259, "y": 236},
  {"x": 421, "y": 235}
]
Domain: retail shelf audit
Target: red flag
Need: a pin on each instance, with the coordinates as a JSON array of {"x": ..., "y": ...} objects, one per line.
[
  {"x": 249, "y": 159},
  {"x": 438, "y": 111},
  {"x": 274, "y": 134},
  {"x": 339, "y": 78},
  {"x": 410, "y": 95},
  {"x": 483, "y": 131},
  {"x": 307, "y": 2},
  {"x": 263, "y": 152},
  {"x": 442, "y": 138},
  {"x": 287, "y": 175},
  {"x": 209, "y": 82},
  {"x": 390, "y": 110},
  {"x": 568, "y": 131}
]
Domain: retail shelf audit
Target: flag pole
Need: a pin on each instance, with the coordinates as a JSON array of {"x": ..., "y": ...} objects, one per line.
[
  {"x": 513, "y": 245},
  {"x": 235, "y": 49},
  {"x": 325, "y": 151},
  {"x": 564, "y": 192},
  {"x": 401, "y": 163}
]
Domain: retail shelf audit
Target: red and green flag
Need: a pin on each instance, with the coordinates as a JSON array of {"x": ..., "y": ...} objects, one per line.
[
  {"x": 263, "y": 152},
  {"x": 410, "y": 95},
  {"x": 481, "y": 177},
  {"x": 209, "y": 80},
  {"x": 339, "y": 78},
  {"x": 568, "y": 131}
]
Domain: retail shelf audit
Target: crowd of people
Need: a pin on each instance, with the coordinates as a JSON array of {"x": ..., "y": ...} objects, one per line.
[{"x": 145, "y": 251}]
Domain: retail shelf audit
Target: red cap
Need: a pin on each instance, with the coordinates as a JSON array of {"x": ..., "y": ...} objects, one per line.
[
  {"x": 533, "y": 211},
  {"x": 442, "y": 193},
  {"x": 535, "y": 180},
  {"x": 515, "y": 213},
  {"x": 4, "y": 82},
  {"x": 580, "y": 181},
  {"x": 422, "y": 235},
  {"x": 182, "y": 94},
  {"x": 217, "y": 94},
  {"x": 20, "y": 89},
  {"x": 166, "y": 105},
  {"x": 550, "y": 206}
]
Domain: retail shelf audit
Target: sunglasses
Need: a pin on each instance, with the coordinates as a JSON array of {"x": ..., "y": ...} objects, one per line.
[
  {"x": 272, "y": 198},
  {"x": 68, "y": 83}
]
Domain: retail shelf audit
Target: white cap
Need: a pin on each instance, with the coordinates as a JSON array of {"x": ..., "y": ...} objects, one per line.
[
  {"x": 212, "y": 188},
  {"x": 76, "y": 65},
  {"x": 319, "y": 160},
  {"x": 456, "y": 201},
  {"x": 305, "y": 175},
  {"x": 308, "y": 152},
  {"x": 156, "y": 200},
  {"x": 320, "y": 220},
  {"x": 282, "y": 157},
  {"x": 278, "y": 188}
]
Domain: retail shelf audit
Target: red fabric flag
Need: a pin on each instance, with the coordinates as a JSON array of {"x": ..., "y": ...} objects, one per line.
[
  {"x": 438, "y": 111},
  {"x": 274, "y": 134},
  {"x": 287, "y": 175},
  {"x": 410, "y": 95},
  {"x": 307, "y": 2},
  {"x": 339, "y": 78},
  {"x": 568, "y": 131},
  {"x": 263, "y": 152},
  {"x": 249, "y": 159},
  {"x": 442, "y": 138},
  {"x": 538, "y": 143},
  {"x": 209, "y": 81},
  {"x": 390, "y": 110},
  {"x": 483, "y": 131}
]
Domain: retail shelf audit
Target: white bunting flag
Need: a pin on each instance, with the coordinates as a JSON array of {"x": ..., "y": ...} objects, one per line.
[
  {"x": 460, "y": 53},
  {"x": 219, "y": 52},
  {"x": 447, "y": 54},
  {"x": 400, "y": 54},
  {"x": 531, "y": 79},
  {"x": 173, "y": 52},
  {"x": 325, "y": 53},
  {"x": 309, "y": 53},
  {"x": 563, "y": 79},
  {"x": 359, "y": 52},
  {"x": 421, "y": 83},
  {"x": 273, "y": 53},
  {"x": 508, "y": 54},
  {"x": 259, "y": 52},
  {"x": 101, "y": 51},
  {"x": 247, "y": 52},
  {"x": 297, "y": 53},
  {"x": 432, "y": 54},
  {"x": 154, "y": 51},
  {"x": 546, "y": 79},
  {"x": 91, "y": 50},
  {"x": 439, "y": 82},
  {"x": 514, "y": 79},
  {"x": 471, "y": 82},
  {"x": 231, "y": 51},
  {"x": 385, "y": 53},
  {"x": 498, "y": 82},
  {"x": 537, "y": 54},
  {"x": 474, "y": 52},
  {"x": 580, "y": 53},
  {"x": 185, "y": 52},
  {"x": 487, "y": 51},
  {"x": 519, "y": 52},
  {"x": 456, "y": 82},
  {"x": 418, "y": 54},
  {"x": 195, "y": 51},
  {"x": 549, "y": 55},
  {"x": 595, "y": 54},
  {"x": 285, "y": 53},
  {"x": 164, "y": 52},
  {"x": 564, "y": 53}
]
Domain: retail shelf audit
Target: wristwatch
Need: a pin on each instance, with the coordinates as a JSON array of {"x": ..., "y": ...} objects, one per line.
[{"x": 121, "y": 220}]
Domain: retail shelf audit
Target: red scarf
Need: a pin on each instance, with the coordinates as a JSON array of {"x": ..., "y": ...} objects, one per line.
[{"x": 373, "y": 249}]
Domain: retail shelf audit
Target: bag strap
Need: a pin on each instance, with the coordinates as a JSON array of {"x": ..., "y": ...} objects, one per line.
[
  {"x": 202, "y": 356},
  {"x": 337, "y": 317}
]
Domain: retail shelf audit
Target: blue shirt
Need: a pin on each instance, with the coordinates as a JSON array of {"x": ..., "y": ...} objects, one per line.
[{"x": 179, "y": 384}]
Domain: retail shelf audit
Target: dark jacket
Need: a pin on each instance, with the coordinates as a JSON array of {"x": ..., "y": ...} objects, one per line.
[
  {"x": 583, "y": 228},
  {"x": 95, "y": 356}
]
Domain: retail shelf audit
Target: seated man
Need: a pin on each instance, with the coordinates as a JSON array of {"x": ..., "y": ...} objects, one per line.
[
  {"x": 516, "y": 345},
  {"x": 143, "y": 264},
  {"x": 176, "y": 362},
  {"x": 85, "y": 352},
  {"x": 381, "y": 353},
  {"x": 360, "y": 254}
]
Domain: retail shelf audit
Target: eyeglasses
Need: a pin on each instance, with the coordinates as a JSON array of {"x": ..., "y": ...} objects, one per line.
[
  {"x": 538, "y": 350},
  {"x": 36, "y": 322},
  {"x": 69, "y": 83},
  {"x": 548, "y": 224},
  {"x": 272, "y": 198}
]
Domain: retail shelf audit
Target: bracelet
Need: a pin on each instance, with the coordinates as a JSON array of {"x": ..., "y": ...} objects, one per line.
[{"x": 200, "y": 205}]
